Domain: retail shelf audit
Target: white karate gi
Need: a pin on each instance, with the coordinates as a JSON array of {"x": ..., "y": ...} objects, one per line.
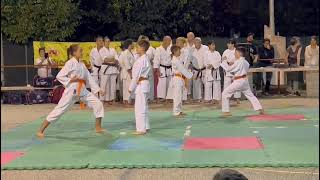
[
  {"x": 178, "y": 84},
  {"x": 126, "y": 60},
  {"x": 230, "y": 55},
  {"x": 189, "y": 50},
  {"x": 141, "y": 68},
  {"x": 73, "y": 68},
  {"x": 212, "y": 85},
  {"x": 162, "y": 57},
  {"x": 198, "y": 63},
  {"x": 150, "y": 54},
  {"x": 185, "y": 56},
  {"x": 108, "y": 75},
  {"x": 239, "y": 68},
  {"x": 96, "y": 62}
]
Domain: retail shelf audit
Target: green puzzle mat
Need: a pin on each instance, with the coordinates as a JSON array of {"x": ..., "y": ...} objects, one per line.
[{"x": 72, "y": 144}]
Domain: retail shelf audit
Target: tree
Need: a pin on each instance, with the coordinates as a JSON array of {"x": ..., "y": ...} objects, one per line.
[{"x": 50, "y": 20}]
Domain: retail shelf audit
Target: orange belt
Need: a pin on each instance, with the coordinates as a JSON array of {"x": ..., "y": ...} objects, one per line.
[
  {"x": 183, "y": 78},
  {"x": 81, "y": 83},
  {"x": 239, "y": 77},
  {"x": 142, "y": 79}
]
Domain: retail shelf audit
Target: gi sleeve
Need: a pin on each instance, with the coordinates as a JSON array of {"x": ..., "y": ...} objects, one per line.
[
  {"x": 233, "y": 68},
  {"x": 135, "y": 76},
  {"x": 217, "y": 62},
  {"x": 63, "y": 75},
  {"x": 156, "y": 60},
  {"x": 126, "y": 62}
]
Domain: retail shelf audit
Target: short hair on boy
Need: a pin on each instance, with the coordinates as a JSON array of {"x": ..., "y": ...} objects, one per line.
[
  {"x": 250, "y": 34},
  {"x": 72, "y": 49},
  {"x": 197, "y": 39},
  {"x": 98, "y": 37},
  {"x": 229, "y": 174},
  {"x": 174, "y": 48},
  {"x": 125, "y": 44},
  {"x": 143, "y": 37},
  {"x": 106, "y": 38},
  {"x": 144, "y": 44},
  {"x": 182, "y": 39},
  {"x": 211, "y": 42},
  {"x": 242, "y": 50},
  {"x": 232, "y": 41},
  {"x": 314, "y": 38}
]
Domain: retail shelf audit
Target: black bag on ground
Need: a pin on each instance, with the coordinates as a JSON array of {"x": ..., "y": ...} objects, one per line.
[
  {"x": 12, "y": 98},
  {"x": 39, "y": 97}
]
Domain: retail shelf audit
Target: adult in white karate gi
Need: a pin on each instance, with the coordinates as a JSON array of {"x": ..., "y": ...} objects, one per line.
[
  {"x": 162, "y": 67},
  {"x": 212, "y": 85},
  {"x": 185, "y": 57},
  {"x": 74, "y": 76},
  {"x": 229, "y": 56},
  {"x": 96, "y": 59},
  {"x": 180, "y": 76},
  {"x": 141, "y": 87},
  {"x": 108, "y": 72},
  {"x": 239, "y": 68},
  {"x": 126, "y": 60},
  {"x": 190, "y": 48},
  {"x": 198, "y": 69}
]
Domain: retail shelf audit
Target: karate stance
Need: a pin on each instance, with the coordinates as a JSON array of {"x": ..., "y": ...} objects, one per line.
[
  {"x": 109, "y": 72},
  {"x": 162, "y": 68},
  {"x": 126, "y": 60},
  {"x": 96, "y": 59},
  {"x": 229, "y": 56},
  {"x": 240, "y": 83},
  {"x": 179, "y": 80},
  {"x": 74, "y": 76},
  {"x": 140, "y": 85},
  {"x": 212, "y": 84}
]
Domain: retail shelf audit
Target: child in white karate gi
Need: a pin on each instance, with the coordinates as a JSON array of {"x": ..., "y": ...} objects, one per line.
[
  {"x": 96, "y": 59},
  {"x": 179, "y": 80},
  {"x": 140, "y": 85},
  {"x": 74, "y": 76},
  {"x": 212, "y": 85},
  {"x": 229, "y": 56},
  {"x": 240, "y": 83},
  {"x": 126, "y": 60}
]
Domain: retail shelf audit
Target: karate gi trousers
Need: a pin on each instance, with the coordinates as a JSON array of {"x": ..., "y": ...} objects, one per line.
[
  {"x": 227, "y": 81},
  {"x": 141, "y": 109},
  {"x": 108, "y": 84},
  {"x": 69, "y": 97},
  {"x": 239, "y": 85},
  {"x": 178, "y": 89}
]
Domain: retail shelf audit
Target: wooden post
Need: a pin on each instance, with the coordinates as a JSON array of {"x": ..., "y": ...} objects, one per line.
[{"x": 271, "y": 17}]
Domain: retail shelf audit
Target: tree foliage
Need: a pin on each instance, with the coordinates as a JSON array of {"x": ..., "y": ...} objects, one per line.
[{"x": 22, "y": 20}]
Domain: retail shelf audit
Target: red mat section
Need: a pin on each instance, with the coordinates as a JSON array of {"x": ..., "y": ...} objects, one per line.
[
  {"x": 276, "y": 117},
  {"x": 227, "y": 143},
  {"x": 7, "y": 157}
]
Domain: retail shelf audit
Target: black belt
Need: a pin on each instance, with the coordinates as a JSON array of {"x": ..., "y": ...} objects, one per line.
[
  {"x": 212, "y": 71},
  {"x": 108, "y": 65},
  {"x": 165, "y": 69},
  {"x": 199, "y": 73}
]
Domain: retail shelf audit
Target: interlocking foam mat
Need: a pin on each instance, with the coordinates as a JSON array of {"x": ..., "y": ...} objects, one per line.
[{"x": 201, "y": 139}]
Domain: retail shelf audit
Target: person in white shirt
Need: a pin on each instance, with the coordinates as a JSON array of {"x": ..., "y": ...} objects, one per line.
[
  {"x": 108, "y": 72},
  {"x": 74, "y": 75},
  {"x": 190, "y": 47},
  {"x": 212, "y": 84},
  {"x": 229, "y": 56},
  {"x": 179, "y": 80},
  {"x": 162, "y": 67},
  {"x": 44, "y": 59},
  {"x": 141, "y": 87},
  {"x": 198, "y": 67},
  {"x": 239, "y": 68},
  {"x": 150, "y": 54},
  {"x": 126, "y": 60},
  {"x": 311, "y": 54},
  {"x": 185, "y": 57},
  {"x": 96, "y": 59}
]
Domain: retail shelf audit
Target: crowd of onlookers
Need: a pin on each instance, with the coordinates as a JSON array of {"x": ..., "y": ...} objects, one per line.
[{"x": 113, "y": 80}]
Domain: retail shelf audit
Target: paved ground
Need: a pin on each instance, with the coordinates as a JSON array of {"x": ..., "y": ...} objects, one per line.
[{"x": 13, "y": 116}]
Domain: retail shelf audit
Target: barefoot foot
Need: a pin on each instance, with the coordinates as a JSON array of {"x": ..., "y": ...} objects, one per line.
[{"x": 40, "y": 135}]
